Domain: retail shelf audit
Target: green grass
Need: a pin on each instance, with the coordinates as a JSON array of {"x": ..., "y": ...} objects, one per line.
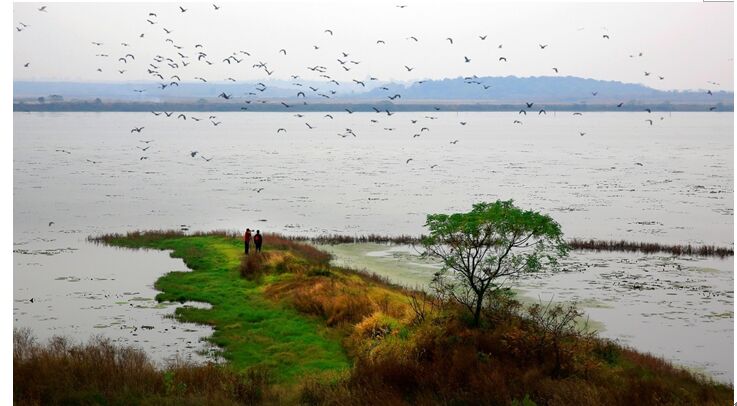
[{"x": 252, "y": 330}]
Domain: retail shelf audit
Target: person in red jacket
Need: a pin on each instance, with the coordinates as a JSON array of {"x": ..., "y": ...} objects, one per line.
[
  {"x": 247, "y": 240},
  {"x": 258, "y": 240}
]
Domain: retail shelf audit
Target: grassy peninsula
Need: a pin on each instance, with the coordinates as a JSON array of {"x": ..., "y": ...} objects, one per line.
[{"x": 296, "y": 330}]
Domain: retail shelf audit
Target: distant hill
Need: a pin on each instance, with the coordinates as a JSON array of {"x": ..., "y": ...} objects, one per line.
[
  {"x": 545, "y": 89},
  {"x": 493, "y": 90}
]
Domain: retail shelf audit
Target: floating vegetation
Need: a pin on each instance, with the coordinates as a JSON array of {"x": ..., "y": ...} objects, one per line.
[{"x": 51, "y": 251}]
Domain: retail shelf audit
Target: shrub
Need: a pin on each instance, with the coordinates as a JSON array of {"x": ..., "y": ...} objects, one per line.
[{"x": 251, "y": 266}]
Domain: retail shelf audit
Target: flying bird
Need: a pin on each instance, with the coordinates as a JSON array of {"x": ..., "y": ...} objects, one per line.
[
  {"x": 42, "y": 9},
  {"x": 409, "y": 160},
  {"x": 137, "y": 129},
  {"x": 482, "y": 37},
  {"x": 650, "y": 121},
  {"x": 281, "y": 130},
  {"x": 501, "y": 58},
  {"x": 467, "y": 60},
  {"x": 329, "y": 32},
  {"x": 182, "y": 9},
  {"x": 454, "y": 142},
  {"x": 450, "y": 40}
]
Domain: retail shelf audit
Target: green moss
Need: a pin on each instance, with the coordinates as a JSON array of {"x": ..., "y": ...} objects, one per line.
[{"x": 252, "y": 330}]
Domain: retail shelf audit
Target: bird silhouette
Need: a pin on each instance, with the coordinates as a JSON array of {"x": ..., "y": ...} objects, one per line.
[
  {"x": 620, "y": 104},
  {"x": 454, "y": 142},
  {"x": 466, "y": 59},
  {"x": 137, "y": 129},
  {"x": 482, "y": 37},
  {"x": 650, "y": 121},
  {"x": 450, "y": 40},
  {"x": 409, "y": 160},
  {"x": 182, "y": 9},
  {"x": 501, "y": 58},
  {"x": 281, "y": 130},
  {"x": 42, "y": 9}
]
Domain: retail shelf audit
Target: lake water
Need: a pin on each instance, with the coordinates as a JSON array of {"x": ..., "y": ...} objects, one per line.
[{"x": 671, "y": 182}]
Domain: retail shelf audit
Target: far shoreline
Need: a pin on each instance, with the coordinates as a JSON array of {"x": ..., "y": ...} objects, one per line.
[{"x": 367, "y": 106}]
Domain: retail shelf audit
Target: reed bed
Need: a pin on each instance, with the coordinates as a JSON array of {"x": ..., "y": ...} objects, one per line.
[{"x": 283, "y": 241}]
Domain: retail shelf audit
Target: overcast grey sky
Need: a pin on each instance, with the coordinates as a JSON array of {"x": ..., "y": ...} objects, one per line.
[{"x": 689, "y": 44}]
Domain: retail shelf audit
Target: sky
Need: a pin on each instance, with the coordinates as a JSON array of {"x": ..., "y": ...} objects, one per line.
[{"x": 688, "y": 44}]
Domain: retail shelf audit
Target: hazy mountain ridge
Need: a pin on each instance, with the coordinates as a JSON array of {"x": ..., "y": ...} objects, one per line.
[{"x": 506, "y": 89}]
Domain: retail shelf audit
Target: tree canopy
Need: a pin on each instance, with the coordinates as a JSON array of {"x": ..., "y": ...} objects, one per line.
[{"x": 484, "y": 247}]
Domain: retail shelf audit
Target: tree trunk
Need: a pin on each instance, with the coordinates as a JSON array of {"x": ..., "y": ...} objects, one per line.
[{"x": 477, "y": 312}]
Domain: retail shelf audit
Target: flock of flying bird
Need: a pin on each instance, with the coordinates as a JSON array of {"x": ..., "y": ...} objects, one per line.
[{"x": 166, "y": 68}]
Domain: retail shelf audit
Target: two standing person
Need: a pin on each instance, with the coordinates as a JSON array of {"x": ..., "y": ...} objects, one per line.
[{"x": 257, "y": 240}]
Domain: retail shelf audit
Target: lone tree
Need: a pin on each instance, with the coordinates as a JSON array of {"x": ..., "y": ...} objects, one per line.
[{"x": 488, "y": 245}]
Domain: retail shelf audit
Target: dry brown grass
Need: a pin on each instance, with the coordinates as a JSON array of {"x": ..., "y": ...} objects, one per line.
[
  {"x": 101, "y": 372},
  {"x": 443, "y": 361}
]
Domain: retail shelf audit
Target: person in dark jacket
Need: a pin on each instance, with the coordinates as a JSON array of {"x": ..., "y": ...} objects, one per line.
[
  {"x": 258, "y": 239},
  {"x": 247, "y": 240}
]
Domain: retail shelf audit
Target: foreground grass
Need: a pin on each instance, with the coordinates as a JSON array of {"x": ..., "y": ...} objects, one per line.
[
  {"x": 299, "y": 331},
  {"x": 252, "y": 330}
]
